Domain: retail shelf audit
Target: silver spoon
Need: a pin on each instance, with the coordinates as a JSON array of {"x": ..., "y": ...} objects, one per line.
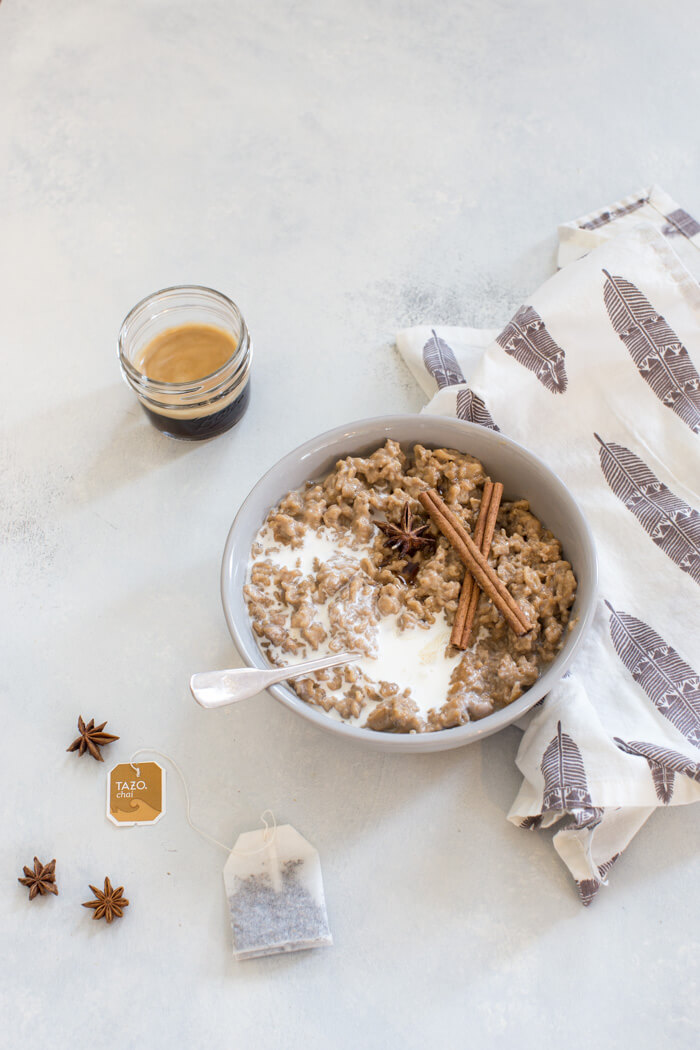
[{"x": 218, "y": 688}]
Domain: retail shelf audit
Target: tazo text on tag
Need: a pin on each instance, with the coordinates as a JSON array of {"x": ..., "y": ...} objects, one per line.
[{"x": 135, "y": 793}]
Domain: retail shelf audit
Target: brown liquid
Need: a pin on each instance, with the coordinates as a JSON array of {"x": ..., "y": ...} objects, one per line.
[
  {"x": 200, "y": 427},
  {"x": 186, "y": 353}
]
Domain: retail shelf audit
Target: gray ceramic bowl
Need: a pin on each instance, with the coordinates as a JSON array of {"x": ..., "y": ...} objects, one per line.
[{"x": 523, "y": 474}]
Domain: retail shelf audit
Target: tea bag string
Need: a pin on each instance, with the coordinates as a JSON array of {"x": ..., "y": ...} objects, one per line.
[{"x": 269, "y": 834}]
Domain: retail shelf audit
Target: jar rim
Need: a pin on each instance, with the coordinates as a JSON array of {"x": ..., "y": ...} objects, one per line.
[{"x": 190, "y": 386}]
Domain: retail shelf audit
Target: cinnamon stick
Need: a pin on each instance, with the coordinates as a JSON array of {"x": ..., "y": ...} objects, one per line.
[
  {"x": 468, "y": 585},
  {"x": 452, "y": 528},
  {"x": 484, "y": 547}
]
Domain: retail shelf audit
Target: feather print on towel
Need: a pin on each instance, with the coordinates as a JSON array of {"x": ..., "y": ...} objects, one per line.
[
  {"x": 527, "y": 340},
  {"x": 440, "y": 360},
  {"x": 663, "y": 763},
  {"x": 662, "y": 777},
  {"x": 589, "y": 887},
  {"x": 673, "y": 525},
  {"x": 565, "y": 784},
  {"x": 670, "y": 683},
  {"x": 661, "y": 359},
  {"x": 472, "y": 409},
  {"x": 530, "y": 823},
  {"x": 663, "y": 780}
]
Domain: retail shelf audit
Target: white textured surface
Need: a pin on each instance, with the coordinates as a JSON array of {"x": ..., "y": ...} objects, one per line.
[{"x": 342, "y": 169}]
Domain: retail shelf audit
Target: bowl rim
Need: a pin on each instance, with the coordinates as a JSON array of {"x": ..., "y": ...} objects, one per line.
[{"x": 406, "y": 742}]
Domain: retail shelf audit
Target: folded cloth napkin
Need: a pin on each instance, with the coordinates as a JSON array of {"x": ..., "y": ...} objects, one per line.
[{"x": 598, "y": 373}]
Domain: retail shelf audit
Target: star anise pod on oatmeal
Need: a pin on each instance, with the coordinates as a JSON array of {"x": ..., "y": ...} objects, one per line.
[
  {"x": 405, "y": 538},
  {"x": 91, "y": 739},
  {"x": 41, "y": 880},
  {"x": 108, "y": 903}
]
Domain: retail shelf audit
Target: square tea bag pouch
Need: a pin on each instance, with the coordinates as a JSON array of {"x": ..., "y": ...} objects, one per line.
[{"x": 275, "y": 893}]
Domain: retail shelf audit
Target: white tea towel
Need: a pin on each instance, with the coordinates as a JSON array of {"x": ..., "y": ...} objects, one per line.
[{"x": 599, "y": 375}]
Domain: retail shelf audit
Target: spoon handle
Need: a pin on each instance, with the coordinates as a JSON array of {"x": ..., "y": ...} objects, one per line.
[
  {"x": 219, "y": 688},
  {"x": 282, "y": 674}
]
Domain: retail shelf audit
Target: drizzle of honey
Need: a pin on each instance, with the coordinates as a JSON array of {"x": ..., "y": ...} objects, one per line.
[{"x": 186, "y": 353}]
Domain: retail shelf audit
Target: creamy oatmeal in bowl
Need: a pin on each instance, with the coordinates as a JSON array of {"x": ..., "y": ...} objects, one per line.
[{"x": 339, "y": 548}]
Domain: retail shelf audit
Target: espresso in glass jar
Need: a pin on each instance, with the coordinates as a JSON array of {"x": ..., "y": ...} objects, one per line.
[{"x": 186, "y": 353}]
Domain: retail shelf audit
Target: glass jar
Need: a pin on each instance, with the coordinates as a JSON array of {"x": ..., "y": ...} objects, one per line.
[{"x": 204, "y": 407}]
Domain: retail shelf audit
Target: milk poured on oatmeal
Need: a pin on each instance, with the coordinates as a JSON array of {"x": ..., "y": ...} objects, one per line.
[{"x": 413, "y": 659}]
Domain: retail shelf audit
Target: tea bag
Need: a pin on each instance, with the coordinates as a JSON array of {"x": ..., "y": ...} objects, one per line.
[{"x": 275, "y": 893}]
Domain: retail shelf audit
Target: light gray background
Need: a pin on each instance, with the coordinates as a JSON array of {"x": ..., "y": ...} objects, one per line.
[{"x": 341, "y": 169}]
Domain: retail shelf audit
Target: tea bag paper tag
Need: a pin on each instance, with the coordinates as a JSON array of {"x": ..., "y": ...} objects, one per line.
[
  {"x": 275, "y": 894},
  {"x": 135, "y": 794}
]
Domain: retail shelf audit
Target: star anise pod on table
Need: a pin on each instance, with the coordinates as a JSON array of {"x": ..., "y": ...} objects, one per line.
[
  {"x": 91, "y": 739},
  {"x": 108, "y": 903},
  {"x": 41, "y": 880},
  {"x": 404, "y": 538}
]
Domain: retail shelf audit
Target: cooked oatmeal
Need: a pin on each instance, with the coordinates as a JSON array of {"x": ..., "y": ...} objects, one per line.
[{"x": 323, "y": 579}]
